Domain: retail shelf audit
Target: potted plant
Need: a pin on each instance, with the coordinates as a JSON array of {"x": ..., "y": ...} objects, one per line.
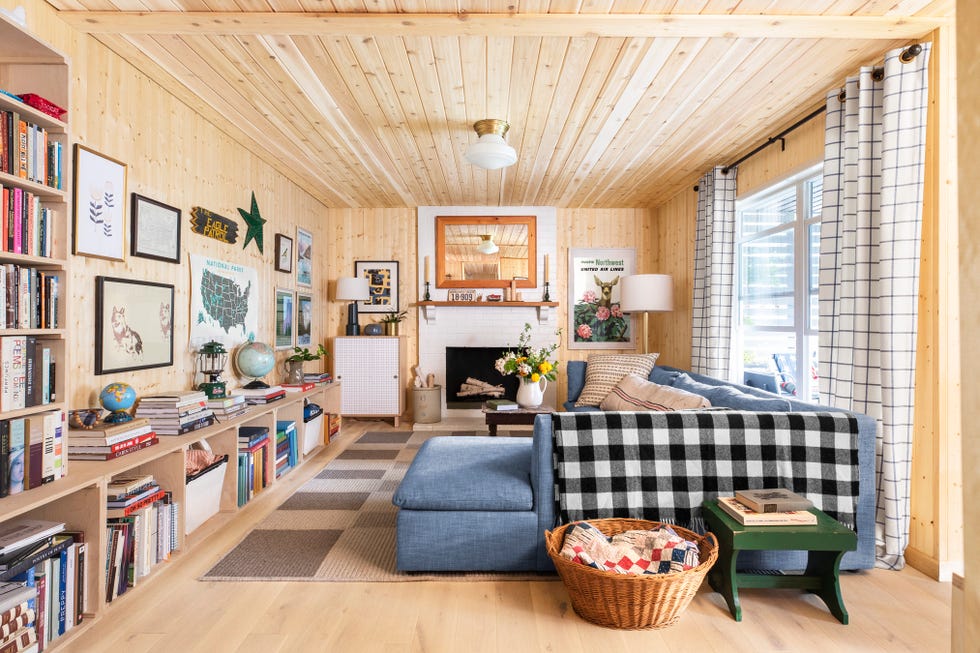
[
  {"x": 294, "y": 362},
  {"x": 391, "y": 320}
]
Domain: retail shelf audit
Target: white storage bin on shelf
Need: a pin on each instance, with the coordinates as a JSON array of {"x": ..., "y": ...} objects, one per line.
[
  {"x": 203, "y": 494},
  {"x": 312, "y": 428}
]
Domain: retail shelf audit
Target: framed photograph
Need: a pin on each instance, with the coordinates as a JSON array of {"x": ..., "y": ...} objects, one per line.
[
  {"x": 154, "y": 229},
  {"x": 304, "y": 258},
  {"x": 133, "y": 325},
  {"x": 382, "y": 279},
  {"x": 100, "y": 198},
  {"x": 595, "y": 320},
  {"x": 304, "y": 319},
  {"x": 285, "y": 325},
  {"x": 284, "y": 253}
]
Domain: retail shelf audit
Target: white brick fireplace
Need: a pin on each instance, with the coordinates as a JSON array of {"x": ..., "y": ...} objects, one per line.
[{"x": 483, "y": 325}]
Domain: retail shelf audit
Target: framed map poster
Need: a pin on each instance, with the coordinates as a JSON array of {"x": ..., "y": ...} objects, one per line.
[
  {"x": 596, "y": 321},
  {"x": 224, "y": 302}
]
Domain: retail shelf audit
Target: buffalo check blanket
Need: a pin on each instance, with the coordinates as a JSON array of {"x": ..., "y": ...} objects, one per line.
[{"x": 661, "y": 466}]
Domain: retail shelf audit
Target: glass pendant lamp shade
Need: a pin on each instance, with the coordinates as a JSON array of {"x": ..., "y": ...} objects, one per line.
[
  {"x": 487, "y": 246},
  {"x": 491, "y": 151}
]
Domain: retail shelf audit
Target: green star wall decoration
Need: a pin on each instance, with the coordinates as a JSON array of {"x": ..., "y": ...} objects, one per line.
[{"x": 254, "y": 222}]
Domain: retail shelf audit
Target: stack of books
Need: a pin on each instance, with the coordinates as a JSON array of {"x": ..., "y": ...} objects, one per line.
[
  {"x": 176, "y": 413},
  {"x": 502, "y": 404},
  {"x": 769, "y": 507},
  {"x": 287, "y": 450},
  {"x": 253, "y": 451},
  {"x": 106, "y": 441},
  {"x": 298, "y": 387},
  {"x": 317, "y": 378},
  {"x": 227, "y": 408},
  {"x": 258, "y": 396}
]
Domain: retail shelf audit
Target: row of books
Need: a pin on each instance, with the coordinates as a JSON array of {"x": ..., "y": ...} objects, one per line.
[
  {"x": 32, "y": 297},
  {"x": 177, "y": 412},
  {"x": 227, "y": 408},
  {"x": 28, "y": 152},
  {"x": 25, "y": 225},
  {"x": 253, "y": 451},
  {"x": 107, "y": 441},
  {"x": 27, "y": 364},
  {"x": 333, "y": 426},
  {"x": 31, "y": 451},
  {"x": 141, "y": 531},
  {"x": 287, "y": 449},
  {"x": 769, "y": 507},
  {"x": 42, "y": 588},
  {"x": 259, "y": 396}
]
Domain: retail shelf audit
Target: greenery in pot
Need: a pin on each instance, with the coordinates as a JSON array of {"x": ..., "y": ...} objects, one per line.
[
  {"x": 304, "y": 354},
  {"x": 394, "y": 317}
]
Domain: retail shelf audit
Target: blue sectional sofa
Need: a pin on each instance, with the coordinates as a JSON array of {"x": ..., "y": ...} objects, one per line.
[{"x": 482, "y": 503}]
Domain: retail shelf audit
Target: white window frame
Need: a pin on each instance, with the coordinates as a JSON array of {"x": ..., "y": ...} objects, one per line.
[{"x": 801, "y": 328}]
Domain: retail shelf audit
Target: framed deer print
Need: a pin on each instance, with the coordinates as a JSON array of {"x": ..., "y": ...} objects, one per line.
[
  {"x": 595, "y": 320},
  {"x": 133, "y": 325}
]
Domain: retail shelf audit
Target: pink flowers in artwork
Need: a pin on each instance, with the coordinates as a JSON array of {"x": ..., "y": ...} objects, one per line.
[{"x": 584, "y": 331}]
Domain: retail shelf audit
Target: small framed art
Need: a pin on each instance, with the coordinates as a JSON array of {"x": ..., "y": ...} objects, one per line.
[
  {"x": 285, "y": 326},
  {"x": 304, "y": 319},
  {"x": 304, "y": 258},
  {"x": 284, "y": 253},
  {"x": 100, "y": 198},
  {"x": 382, "y": 279},
  {"x": 154, "y": 229}
]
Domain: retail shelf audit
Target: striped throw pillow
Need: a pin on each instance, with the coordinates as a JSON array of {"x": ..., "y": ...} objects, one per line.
[
  {"x": 636, "y": 393},
  {"x": 604, "y": 371}
]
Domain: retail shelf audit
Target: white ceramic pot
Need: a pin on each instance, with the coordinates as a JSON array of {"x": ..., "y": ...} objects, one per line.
[{"x": 531, "y": 394}]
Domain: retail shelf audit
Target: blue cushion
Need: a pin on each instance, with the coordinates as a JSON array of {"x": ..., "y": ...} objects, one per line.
[
  {"x": 663, "y": 375},
  {"x": 730, "y": 397},
  {"x": 469, "y": 473}
]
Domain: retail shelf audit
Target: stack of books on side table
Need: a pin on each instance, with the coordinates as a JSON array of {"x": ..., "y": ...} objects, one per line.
[
  {"x": 502, "y": 404},
  {"x": 106, "y": 441},
  {"x": 768, "y": 507},
  {"x": 176, "y": 413}
]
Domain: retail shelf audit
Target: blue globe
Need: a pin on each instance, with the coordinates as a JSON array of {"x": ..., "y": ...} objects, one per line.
[
  {"x": 118, "y": 398},
  {"x": 255, "y": 359}
]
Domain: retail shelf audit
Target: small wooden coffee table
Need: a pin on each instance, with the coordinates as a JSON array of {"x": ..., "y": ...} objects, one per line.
[{"x": 521, "y": 416}]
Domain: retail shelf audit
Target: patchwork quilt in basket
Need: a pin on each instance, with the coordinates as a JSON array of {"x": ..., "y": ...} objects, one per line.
[
  {"x": 661, "y": 466},
  {"x": 656, "y": 551}
]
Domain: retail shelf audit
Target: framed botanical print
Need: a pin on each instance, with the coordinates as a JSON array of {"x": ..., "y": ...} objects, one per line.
[
  {"x": 285, "y": 326},
  {"x": 595, "y": 319},
  {"x": 100, "y": 198},
  {"x": 382, "y": 279},
  {"x": 133, "y": 325},
  {"x": 284, "y": 253}
]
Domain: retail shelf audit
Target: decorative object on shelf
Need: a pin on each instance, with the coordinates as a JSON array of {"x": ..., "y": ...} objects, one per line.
[
  {"x": 133, "y": 325},
  {"x": 373, "y": 329},
  {"x": 284, "y": 253},
  {"x": 382, "y": 277},
  {"x": 284, "y": 318},
  {"x": 495, "y": 297},
  {"x": 647, "y": 293},
  {"x": 391, "y": 320},
  {"x": 533, "y": 366},
  {"x": 210, "y": 224},
  {"x": 84, "y": 418},
  {"x": 294, "y": 362},
  {"x": 304, "y": 319},
  {"x": 461, "y": 243},
  {"x": 426, "y": 297},
  {"x": 352, "y": 289},
  {"x": 304, "y": 258},
  {"x": 255, "y": 360},
  {"x": 155, "y": 229},
  {"x": 491, "y": 151},
  {"x": 100, "y": 196},
  {"x": 546, "y": 295},
  {"x": 254, "y": 221},
  {"x": 596, "y": 320},
  {"x": 462, "y": 295},
  {"x": 118, "y": 399},
  {"x": 211, "y": 361},
  {"x": 224, "y": 304},
  {"x": 44, "y": 105}
]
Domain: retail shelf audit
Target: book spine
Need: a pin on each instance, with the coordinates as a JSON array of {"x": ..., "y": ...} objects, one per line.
[
  {"x": 135, "y": 507},
  {"x": 116, "y": 454},
  {"x": 49, "y": 422},
  {"x": 36, "y": 559},
  {"x": 62, "y": 591},
  {"x": 30, "y": 390},
  {"x": 18, "y": 454},
  {"x": 4, "y": 457},
  {"x": 22, "y": 640},
  {"x": 15, "y": 624}
]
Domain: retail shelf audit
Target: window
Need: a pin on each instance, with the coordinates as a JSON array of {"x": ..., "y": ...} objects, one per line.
[{"x": 778, "y": 266}]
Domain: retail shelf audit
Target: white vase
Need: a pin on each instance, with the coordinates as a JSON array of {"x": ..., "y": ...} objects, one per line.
[{"x": 531, "y": 394}]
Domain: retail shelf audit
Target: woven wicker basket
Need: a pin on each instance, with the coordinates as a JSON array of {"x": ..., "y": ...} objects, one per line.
[{"x": 627, "y": 601}]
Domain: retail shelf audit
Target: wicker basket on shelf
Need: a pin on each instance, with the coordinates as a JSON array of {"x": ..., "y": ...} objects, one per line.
[{"x": 630, "y": 601}]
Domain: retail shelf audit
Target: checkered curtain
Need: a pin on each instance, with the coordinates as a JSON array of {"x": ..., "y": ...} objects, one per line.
[
  {"x": 714, "y": 271},
  {"x": 869, "y": 270}
]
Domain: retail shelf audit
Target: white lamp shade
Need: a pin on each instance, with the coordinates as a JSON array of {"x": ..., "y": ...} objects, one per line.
[
  {"x": 491, "y": 151},
  {"x": 487, "y": 246},
  {"x": 352, "y": 289},
  {"x": 643, "y": 293}
]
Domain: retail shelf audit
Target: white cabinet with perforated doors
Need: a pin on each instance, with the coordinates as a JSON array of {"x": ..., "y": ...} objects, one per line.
[{"x": 370, "y": 369}]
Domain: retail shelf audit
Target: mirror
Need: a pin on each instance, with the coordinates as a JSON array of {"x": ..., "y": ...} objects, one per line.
[{"x": 486, "y": 251}]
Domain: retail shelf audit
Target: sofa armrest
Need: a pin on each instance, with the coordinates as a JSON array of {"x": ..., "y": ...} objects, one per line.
[{"x": 543, "y": 474}]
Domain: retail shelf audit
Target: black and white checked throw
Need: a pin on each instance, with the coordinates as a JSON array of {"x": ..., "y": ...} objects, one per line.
[{"x": 660, "y": 466}]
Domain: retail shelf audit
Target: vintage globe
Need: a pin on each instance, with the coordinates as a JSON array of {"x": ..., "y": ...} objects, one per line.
[
  {"x": 118, "y": 398},
  {"x": 255, "y": 359}
]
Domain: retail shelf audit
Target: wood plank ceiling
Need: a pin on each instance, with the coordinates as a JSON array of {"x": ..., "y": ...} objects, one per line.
[{"x": 620, "y": 103}]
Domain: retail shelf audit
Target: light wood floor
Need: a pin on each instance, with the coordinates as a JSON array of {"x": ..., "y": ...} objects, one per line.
[{"x": 174, "y": 612}]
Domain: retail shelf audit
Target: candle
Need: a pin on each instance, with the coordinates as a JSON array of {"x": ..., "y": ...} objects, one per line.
[
  {"x": 427, "y": 269},
  {"x": 546, "y": 275}
]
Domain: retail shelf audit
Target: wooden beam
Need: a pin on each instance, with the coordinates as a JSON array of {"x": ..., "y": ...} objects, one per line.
[{"x": 512, "y": 25}]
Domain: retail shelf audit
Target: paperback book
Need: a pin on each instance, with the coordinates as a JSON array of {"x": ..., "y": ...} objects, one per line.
[
  {"x": 773, "y": 500},
  {"x": 748, "y": 517}
]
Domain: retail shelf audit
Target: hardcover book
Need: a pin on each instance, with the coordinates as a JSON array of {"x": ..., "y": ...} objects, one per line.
[
  {"x": 747, "y": 517},
  {"x": 502, "y": 404},
  {"x": 773, "y": 500}
]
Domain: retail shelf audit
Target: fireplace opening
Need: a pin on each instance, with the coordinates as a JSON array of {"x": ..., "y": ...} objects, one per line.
[{"x": 471, "y": 377}]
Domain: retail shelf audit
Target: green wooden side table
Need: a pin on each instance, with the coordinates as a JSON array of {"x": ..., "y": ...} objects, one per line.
[{"x": 825, "y": 543}]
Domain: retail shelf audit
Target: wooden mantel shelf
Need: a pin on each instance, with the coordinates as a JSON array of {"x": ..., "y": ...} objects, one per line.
[{"x": 543, "y": 308}]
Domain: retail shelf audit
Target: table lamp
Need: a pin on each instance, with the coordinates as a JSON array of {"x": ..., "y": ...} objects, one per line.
[
  {"x": 352, "y": 289},
  {"x": 646, "y": 293}
]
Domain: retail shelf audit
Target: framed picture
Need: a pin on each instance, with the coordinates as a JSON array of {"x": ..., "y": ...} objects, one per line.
[
  {"x": 304, "y": 319},
  {"x": 595, "y": 320},
  {"x": 133, "y": 325},
  {"x": 285, "y": 326},
  {"x": 304, "y": 258},
  {"x": 154, "y": 229},
  {"x": 100, "y": 198},
  {"x": 382, "y": 279},
  {"x": 284, "y": 253}
]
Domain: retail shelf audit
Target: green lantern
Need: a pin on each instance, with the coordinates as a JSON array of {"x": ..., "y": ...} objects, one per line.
[{"x": 211, "y": 361}]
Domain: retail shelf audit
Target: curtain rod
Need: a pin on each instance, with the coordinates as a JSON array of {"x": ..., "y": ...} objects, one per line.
[{"x": 781, "y": 136}]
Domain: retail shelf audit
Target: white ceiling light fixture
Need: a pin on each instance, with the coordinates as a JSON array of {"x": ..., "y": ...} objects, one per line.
[
  {"x": 487, "y": 246},
  {"x": 491, "y": 151}
]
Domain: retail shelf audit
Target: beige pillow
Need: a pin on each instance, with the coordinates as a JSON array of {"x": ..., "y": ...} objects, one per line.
[
  {"x": 636, "y": 393},
  {"x": 604, "y": 371}
]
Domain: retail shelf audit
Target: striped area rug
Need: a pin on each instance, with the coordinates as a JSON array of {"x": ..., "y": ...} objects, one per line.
[{"x": 340, "y": 525}]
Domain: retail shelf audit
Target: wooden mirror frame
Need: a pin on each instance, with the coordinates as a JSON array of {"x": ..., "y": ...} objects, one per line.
[{"x": 529, "y": 221}]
